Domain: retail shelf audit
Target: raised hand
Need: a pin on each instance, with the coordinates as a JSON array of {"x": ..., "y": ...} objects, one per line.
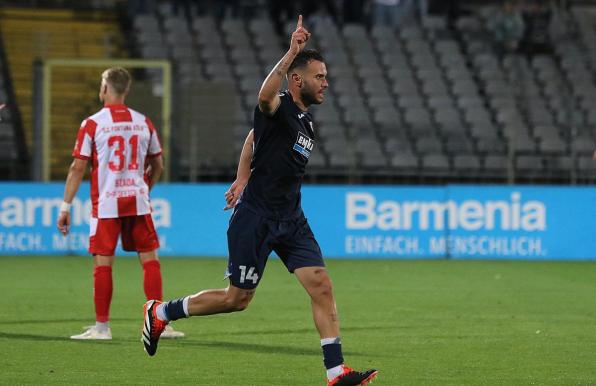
[{"x": 299, "y": 37}]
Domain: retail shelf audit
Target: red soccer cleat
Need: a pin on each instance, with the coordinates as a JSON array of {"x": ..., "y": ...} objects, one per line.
[
  {"x": 353, "y": 378},
  {"x": 152, "y": 327}
]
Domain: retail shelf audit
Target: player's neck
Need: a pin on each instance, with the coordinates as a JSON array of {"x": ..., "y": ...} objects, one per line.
[
  {"x": 296, "y": 98},
  {"x": 113, "y": 101}
]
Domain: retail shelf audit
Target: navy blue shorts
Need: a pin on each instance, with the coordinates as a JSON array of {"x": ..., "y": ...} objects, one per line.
[{"x": 251, "y": 238}]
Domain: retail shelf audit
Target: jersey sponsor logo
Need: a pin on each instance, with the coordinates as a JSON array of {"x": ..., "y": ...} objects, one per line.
[
  {"x": 120, "y": 193},
  {"x": 122, "y": 182},
  {"x": 304, "y": 145}
]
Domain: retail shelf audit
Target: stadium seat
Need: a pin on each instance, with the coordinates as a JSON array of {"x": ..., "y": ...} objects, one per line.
[
  {"x": 583, "y": 144},
  {"x": 466, "y": 162},
  {"x": 317, "y": 159},
  {"x": 495, "y": 163},
  {"x": 531, "y": 165},
  {"x": 429, "y": 145},
  {"x": 586, "y": 167},
  {"x": 552, "y": 145},
  {"x": 405, "y": 161},
  {"x": 458, "y": 143},
  {"x": 436, "y": 164}
]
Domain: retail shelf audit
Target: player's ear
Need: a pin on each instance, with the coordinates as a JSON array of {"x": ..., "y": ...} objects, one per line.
[{"x": 297, "y": 79}]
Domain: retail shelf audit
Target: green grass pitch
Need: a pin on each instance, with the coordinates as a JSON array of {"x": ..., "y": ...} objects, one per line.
[{"x": 418, "y": 322}]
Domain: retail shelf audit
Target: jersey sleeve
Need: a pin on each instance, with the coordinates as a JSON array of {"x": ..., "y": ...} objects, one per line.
[
  {"x": 262, "y": 122},
  {"x": 154, "y": 144},
  {"x": 84, "y": 144},
  {"x": 283, "y": 108}
]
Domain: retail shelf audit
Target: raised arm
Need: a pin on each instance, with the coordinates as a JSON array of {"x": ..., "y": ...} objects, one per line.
[
  {"x": 73, "y": 181},
  {"x": 269, "y": 94},
  {"x": 242, "y": 175}
]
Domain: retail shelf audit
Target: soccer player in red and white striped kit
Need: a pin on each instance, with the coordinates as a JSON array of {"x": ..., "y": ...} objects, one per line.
[{"x": 126, "y": 161}]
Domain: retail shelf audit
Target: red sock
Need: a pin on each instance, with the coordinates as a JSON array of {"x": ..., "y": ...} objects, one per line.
[
  {"x": 152, "y": 280},
  {"x": 102, "y": 292}
]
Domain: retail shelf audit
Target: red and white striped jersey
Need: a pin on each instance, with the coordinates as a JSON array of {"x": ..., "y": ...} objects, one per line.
[{"x": 118, "y": 139}]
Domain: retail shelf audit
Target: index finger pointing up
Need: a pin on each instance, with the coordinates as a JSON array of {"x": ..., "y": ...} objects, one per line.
[{"x": 299, "y": 24}]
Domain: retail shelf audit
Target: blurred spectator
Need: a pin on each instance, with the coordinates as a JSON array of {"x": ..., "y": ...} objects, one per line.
[
  {"x": 421, "y": 7},
  {"x": 450, "y": 8},
  {"x": 183, "y": 8},
  {"x": 388, "y": 12},
  {"x": 322, "y": 8},
  {"x": 226, "y": 8},
  {"x": 353, "y": 11},
  {"x": 280, "y": 12},
  {"x": 536, "y": 39},
  {"x": 140, "y": 7},
  {"x": 507, "y": 28}
]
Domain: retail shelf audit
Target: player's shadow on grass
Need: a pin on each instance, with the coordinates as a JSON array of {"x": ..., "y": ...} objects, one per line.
[
  {"x": 259, "y": 348},
  {"x": 301, "y": 331},
  {"x": 49, "y": 338},
  {"x": 254, "y": 347},
  {"x": 88, "y": 321},
  {"x": 33, "y": 337}
]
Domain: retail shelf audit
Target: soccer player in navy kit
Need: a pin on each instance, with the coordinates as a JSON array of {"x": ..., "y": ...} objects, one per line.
[{"x": 268, "y": 216}]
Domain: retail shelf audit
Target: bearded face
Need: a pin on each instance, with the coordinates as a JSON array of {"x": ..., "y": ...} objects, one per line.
[{"x": 314, "y": 83}]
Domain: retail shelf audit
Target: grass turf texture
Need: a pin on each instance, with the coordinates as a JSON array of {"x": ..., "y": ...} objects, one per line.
[{"x": 418, "y": 322}]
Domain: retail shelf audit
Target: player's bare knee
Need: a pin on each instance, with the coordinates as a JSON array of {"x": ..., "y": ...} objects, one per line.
[
  {"x": 239, "y": 301},
  {"x": 240, "y": 305},
  {"x": 325, "y": 288},
  {"x": 321, "y": 286}
]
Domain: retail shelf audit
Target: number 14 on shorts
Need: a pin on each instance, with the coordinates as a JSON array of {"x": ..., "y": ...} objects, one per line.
[{"x": 248, "y": 275}]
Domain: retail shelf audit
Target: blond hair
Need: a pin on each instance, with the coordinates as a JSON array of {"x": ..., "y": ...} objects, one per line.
[{"x": 118, "y": 78}]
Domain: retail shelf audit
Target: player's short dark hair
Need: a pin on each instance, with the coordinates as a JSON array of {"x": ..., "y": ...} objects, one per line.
[
  {"x": 118, "y": 78},
  {"x": 304, "y": 57}
]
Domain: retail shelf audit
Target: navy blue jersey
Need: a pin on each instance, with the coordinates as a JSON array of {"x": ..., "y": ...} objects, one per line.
[{"x": 282, "y": 144}]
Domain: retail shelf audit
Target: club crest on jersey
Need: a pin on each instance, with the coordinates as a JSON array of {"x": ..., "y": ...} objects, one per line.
[{"x": 304, "y": 145}]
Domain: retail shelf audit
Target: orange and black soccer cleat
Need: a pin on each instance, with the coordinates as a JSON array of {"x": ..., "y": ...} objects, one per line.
[
  {"x": 152, "y": 327},
  {"x": 353, "y": 378}
]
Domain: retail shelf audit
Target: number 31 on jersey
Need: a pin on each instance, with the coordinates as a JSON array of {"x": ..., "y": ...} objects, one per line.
[{"x": 120, "y": 151}]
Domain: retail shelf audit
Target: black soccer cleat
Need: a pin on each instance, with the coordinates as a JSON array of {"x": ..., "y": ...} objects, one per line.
[
  {"x": 353, "y": 378},
  {"x": 152, "y": 327}
]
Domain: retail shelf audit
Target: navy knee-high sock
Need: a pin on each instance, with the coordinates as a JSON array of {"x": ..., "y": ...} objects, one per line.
[
  {"x": 174, "y": 309},
  {"x": 332, "y": 356}
]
